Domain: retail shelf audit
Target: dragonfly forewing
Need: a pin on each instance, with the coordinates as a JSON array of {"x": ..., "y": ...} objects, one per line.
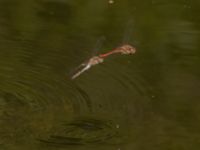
[{"x": 81, "y": 71}]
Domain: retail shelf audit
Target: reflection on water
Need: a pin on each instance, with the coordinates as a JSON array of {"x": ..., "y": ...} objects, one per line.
[{"x": 149, "y": 101}]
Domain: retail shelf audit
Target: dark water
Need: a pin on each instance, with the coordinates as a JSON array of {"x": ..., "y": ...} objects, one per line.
[{"x": 147, "y": 101}]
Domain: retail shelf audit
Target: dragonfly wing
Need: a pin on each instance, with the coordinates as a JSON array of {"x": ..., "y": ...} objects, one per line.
[
  {"x": 81, "y": 71},
  {"x": 98, "y": 45},
  {"x": 86, "y": 65}
]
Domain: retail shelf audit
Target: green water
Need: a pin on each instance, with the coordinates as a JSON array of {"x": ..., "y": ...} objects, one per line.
[{"x": 146, "y": 101}]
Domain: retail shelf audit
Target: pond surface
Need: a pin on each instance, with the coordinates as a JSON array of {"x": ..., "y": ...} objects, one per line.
[{"x": 145, "y": 101}]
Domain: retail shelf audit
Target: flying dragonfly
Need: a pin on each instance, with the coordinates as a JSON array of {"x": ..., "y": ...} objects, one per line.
[{"x": 124, "y": 49}]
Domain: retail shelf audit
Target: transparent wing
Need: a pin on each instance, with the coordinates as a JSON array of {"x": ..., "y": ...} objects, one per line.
[
  {"x": 128, "y": 33},
  {"x": 81, "y": 71},
  {"x": 98, "y": 45},
  {"x": 85, "y": 66}
]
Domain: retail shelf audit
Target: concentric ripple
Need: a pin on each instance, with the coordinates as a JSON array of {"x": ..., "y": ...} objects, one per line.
[
  {"x": 33, "y": 99},
  {"x": 83, "y": 131}
]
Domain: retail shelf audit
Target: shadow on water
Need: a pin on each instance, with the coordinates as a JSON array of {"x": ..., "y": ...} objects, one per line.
[{"x": 149, "y": 100}]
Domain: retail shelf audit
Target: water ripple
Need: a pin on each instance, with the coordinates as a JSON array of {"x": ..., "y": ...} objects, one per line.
[{"x": 81, "y": 131}]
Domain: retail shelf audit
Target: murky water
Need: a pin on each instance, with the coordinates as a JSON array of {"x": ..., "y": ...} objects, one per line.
[{"x": 146, "y": 101}]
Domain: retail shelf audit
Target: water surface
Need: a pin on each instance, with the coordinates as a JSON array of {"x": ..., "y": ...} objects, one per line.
[{"x": 146, "y": 101}]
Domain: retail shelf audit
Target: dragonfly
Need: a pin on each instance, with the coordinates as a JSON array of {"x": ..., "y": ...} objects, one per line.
[{"x": 124, "y": 49}]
